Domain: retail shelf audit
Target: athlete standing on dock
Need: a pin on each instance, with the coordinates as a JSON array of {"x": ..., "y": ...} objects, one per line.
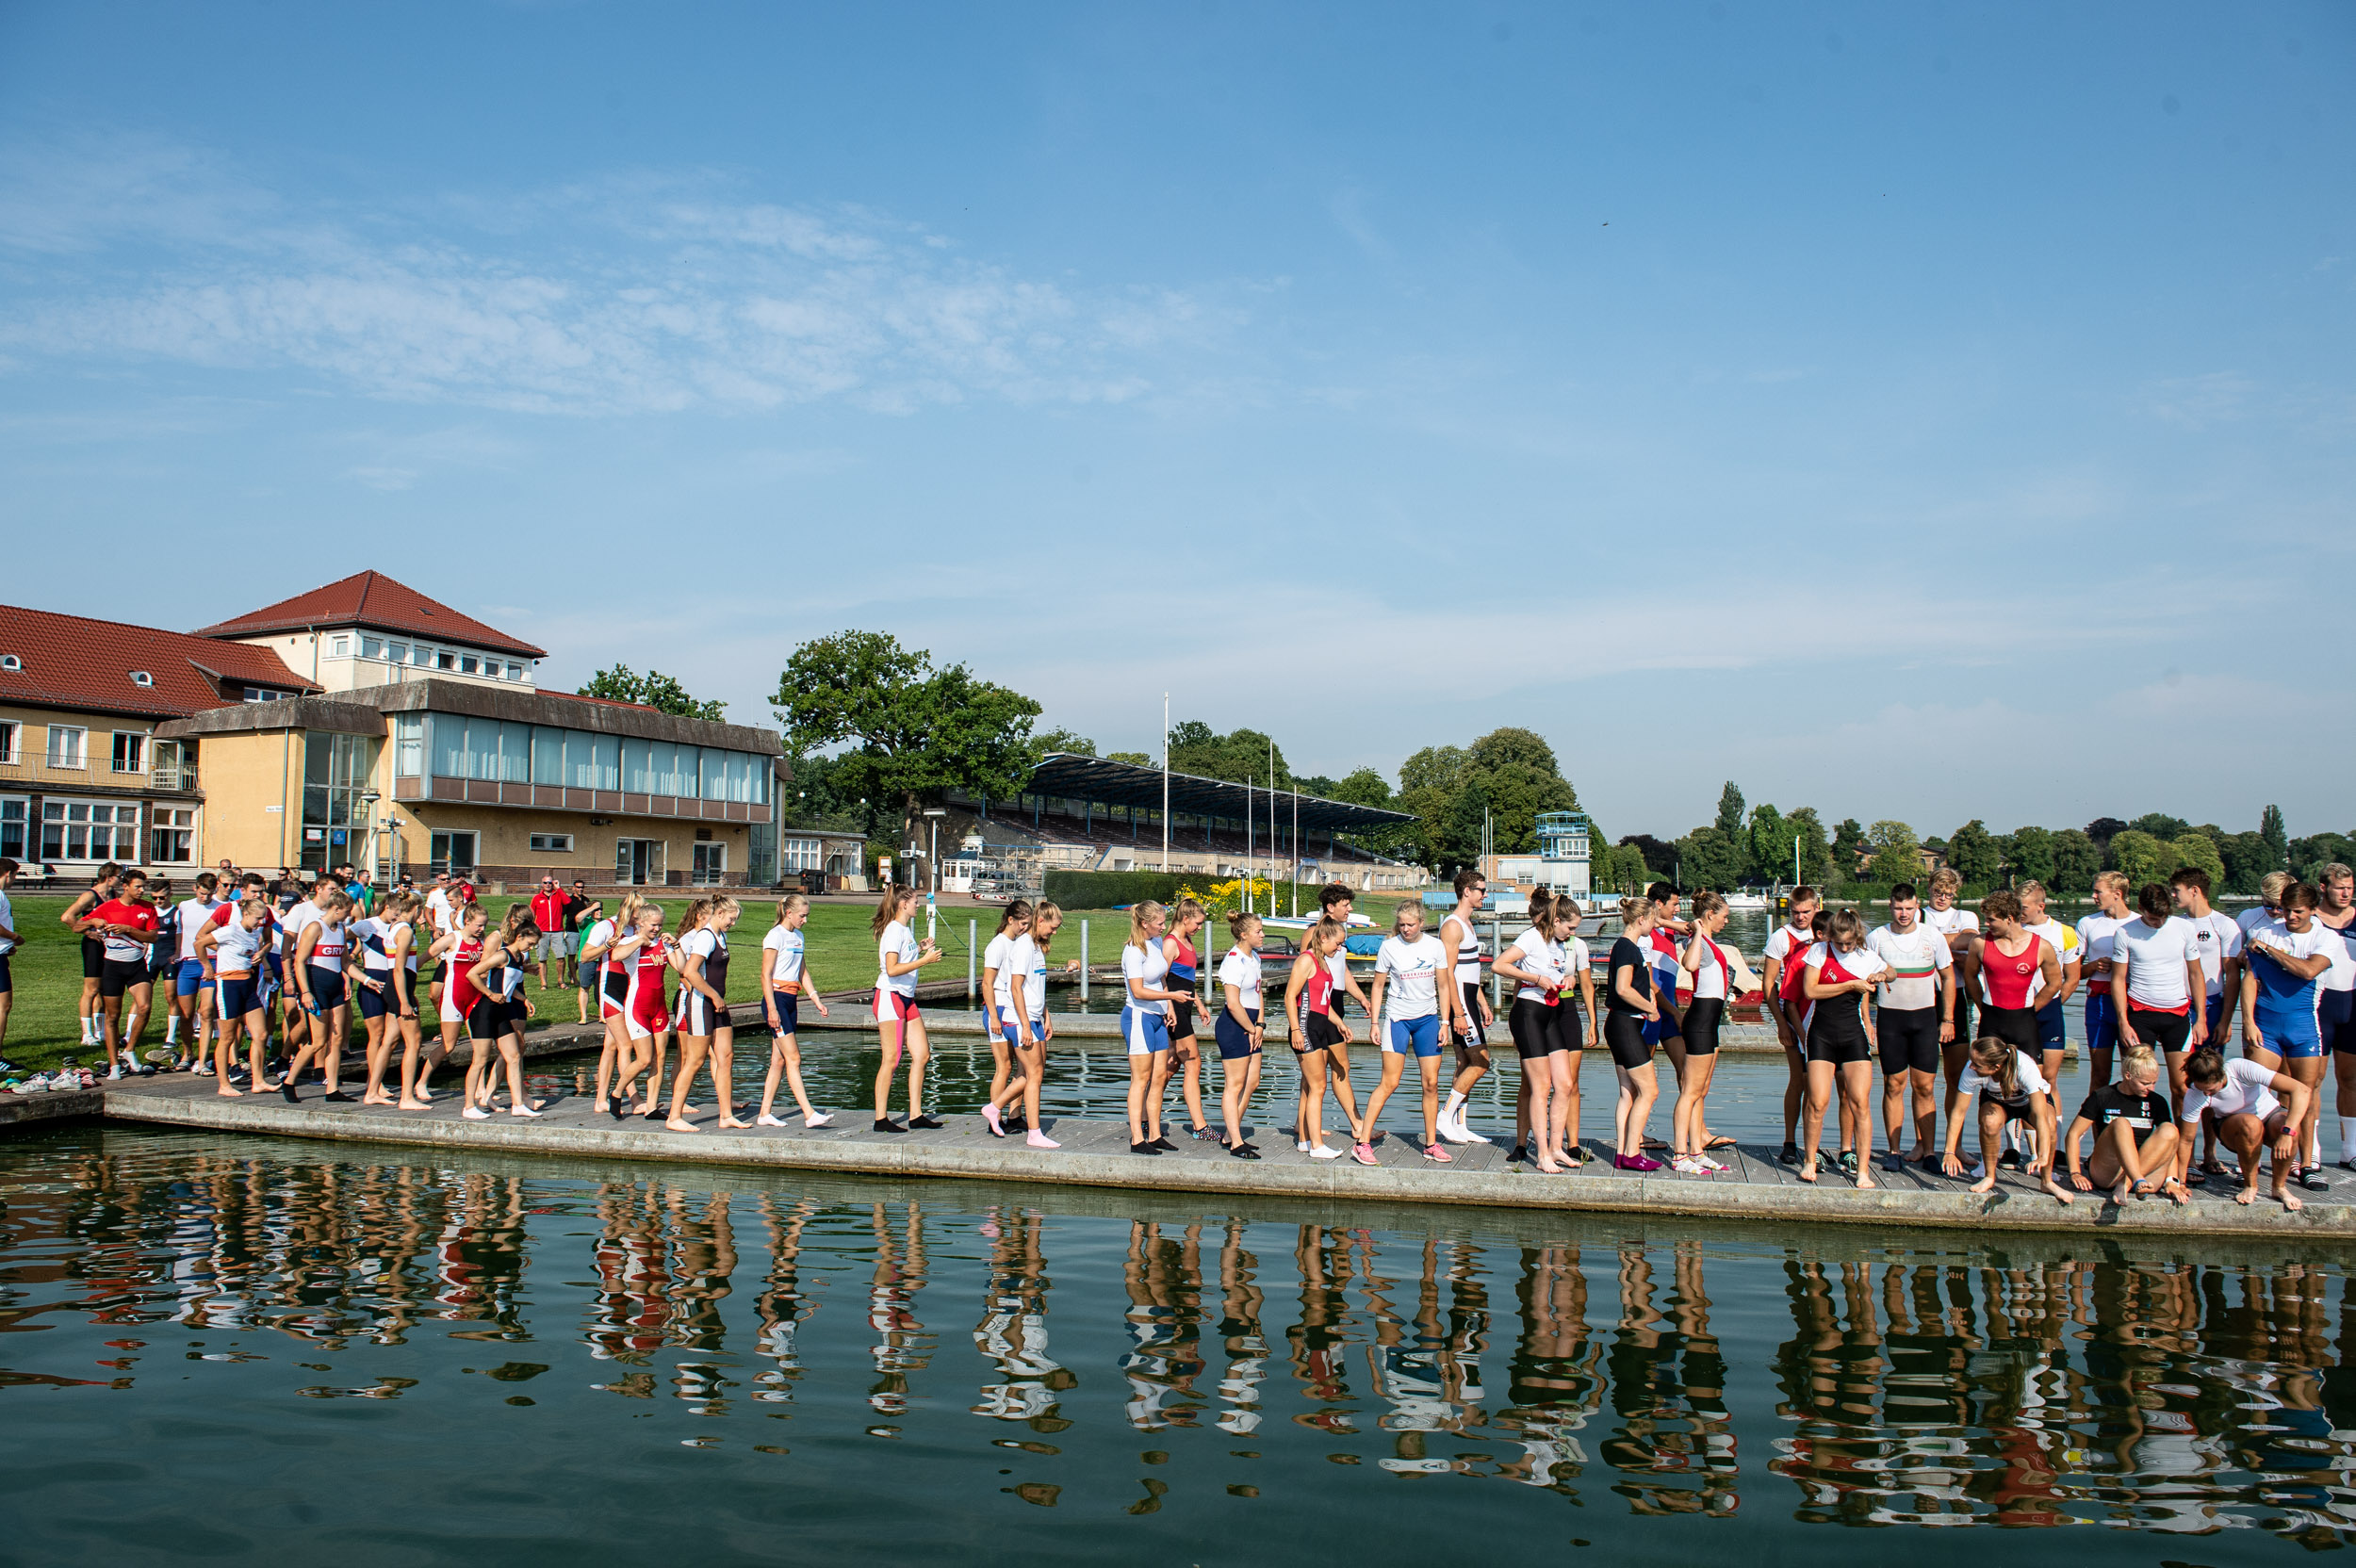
[
  {"x": 1546, "y": 1115},
  {"x": 1712, "y": 968},
  {"x": 1473, "y": 1015},
  {"x": 2289, "y": 959},
  {"x": 1840, "y": 973},
  {"x": 1779, "y": 997},
  {"x": 901, "y": 960},
  {"x": 1958, "y": 927},
  {"x": 2335, "y": 1003},
  {"x": 1186, "y": 918},
  {"x": 1914, "y": 1021},
  {"x": 2156, "y": 984},
  {"x": 2053, "y": 1036},
  {"x": 785, "y": 977},
  {"x": 998, "y": 1010}
]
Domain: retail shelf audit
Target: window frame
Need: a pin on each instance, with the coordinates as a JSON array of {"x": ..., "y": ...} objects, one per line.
[
  {"x": 11, "y": 743},
  {"x": 138, "y": 749},
  {"x": 552, "y": 844},
  {"x": 81, "y": 748}
]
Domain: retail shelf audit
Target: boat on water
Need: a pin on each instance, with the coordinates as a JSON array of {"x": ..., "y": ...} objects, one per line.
[{"x": 1745, "y": 900}]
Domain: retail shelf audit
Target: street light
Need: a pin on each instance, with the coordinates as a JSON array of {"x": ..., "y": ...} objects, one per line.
[{"x": 932, "y": 869}]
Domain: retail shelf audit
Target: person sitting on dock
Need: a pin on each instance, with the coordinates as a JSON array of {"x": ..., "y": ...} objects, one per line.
[{"x": 2134, "y": 1135}]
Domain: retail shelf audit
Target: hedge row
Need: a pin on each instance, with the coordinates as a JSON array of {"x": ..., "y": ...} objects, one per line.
[{"x": 1110, "y": 889}]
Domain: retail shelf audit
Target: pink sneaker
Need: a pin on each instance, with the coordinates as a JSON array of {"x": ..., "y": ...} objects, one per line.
[
  {"x": 1636, "y": 1161},
  {"x": 1434, "y": 1152},
  {"x": 1362, "y": 1153}
]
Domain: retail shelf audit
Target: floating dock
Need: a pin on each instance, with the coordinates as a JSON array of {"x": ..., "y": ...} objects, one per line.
[{"x": 1096, "y": 1154}]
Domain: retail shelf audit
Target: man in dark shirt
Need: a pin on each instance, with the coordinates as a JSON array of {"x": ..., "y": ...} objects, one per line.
[{"x": 2135, "y": 1133}]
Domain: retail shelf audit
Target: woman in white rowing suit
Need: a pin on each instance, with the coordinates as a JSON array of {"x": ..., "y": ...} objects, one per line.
[
  {"x": 704, "y": 1032},
  {"x": 787, "y": 978},
  {"x": 322, "y": 949},
  {"x": 232, "y": 946},
  {"x": 492, "y": 994},
  {"x": 900, "y": 963},
  {"x": 998, "y": 964},
  {"x": 599, "y": 957},
  {"x": 1145, "y": 1010}
]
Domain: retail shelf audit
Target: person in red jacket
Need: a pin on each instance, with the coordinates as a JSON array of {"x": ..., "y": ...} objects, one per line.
[
  {"x": 123, "y": 925},
  {"x": 548, "y": 905}
]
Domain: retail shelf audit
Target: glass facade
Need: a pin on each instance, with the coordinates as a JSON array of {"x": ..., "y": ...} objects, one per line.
[
  {"x": 335, "y": 770},
  {"x": 462, "y": 746}
]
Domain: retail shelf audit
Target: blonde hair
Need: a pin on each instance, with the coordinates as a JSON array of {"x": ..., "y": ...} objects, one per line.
[
  {"x": 1634, "y": 907},
  {"x": 1847, "y": 929},
  {"x": 2270, "y": 886},
  {"x": 2137, "y": 1060},
  {"x": 721, "y": 904},
  {"x": 698, "y": 910},
  {"x": 790, "y": 903},
  {"x": 517, "y": 917},
  {"x": 888, "y": 910},
  {"x": 1183, "y": 911},
  {"x": 1139, "y": 915},
  {"x": 2116, "y": 881},
  {"x": 1707, "y": 904},
  {"x": 1946, "y": 879},
  {"x": 626, "y": 918},
  {"x": 2028, "y": 885},
  {"x": 333, "y": 899},
  {"x": 249, "y": 905},
  {"x": 1325, "y": 935},
  {"x": 401, "y": 904},
  {"x": 1238, "y": 920},
  {"x": 1399, "y": 916},
  {"x": 1041, "y": 913}
]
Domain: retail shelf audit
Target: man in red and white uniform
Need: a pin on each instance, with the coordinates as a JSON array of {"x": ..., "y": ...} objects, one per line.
[{"x": 125, "y": 924}]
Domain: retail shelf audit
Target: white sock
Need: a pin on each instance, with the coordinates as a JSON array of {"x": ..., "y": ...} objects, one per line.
[
  {"x": 89, "y": 1031},
  {"x": 1455, "y": 1110},
  {"x": 2347, "y": 1138},
  {"x": 171, "y": 1030}
]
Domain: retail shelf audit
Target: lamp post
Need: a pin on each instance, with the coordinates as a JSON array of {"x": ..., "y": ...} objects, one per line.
[{"x": 932, "y": 870}]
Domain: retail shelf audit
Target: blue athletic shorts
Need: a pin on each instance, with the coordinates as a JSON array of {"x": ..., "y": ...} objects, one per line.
[
  {"x": 327, "y": 987},
  {"x": 2336, "y": 1019},
  {"x": 1418, "y": 1036},
  {"x": 1233, "y": 1041},
  {"x": 2052, "y": 1033},
  {"x": 1658, "y": 1031},
  {"x": 1008, "y": 1029},
  {"x": 2290, "y": 1033},
  {"x": 1146, "y": 1029},
  {"x": 191, "y": 979},
  {"x": 237, "y": 998},
  {"x": 2102, "y": 1021},
  {"x": 788, "y": 1012},
  {"x": 2216, "y": 1011}
]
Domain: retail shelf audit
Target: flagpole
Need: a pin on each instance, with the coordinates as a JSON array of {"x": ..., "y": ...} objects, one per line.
[{"x": 1164, "y": 783}]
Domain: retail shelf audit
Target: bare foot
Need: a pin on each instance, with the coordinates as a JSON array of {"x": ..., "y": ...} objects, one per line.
[
  {"x": 732, "y": 1121},
  {"x": 677, "y": 1124},
  {"x": 2289, "y": 1199},
  {"x": 2055, "y": 1188},
  {"x": 1808, "y": 1172},
  {"x": 2245, "y": 1194},
  {"x": 2116, "y": 1196},
  {"x": 1865, "y": 1177},
  {"x": 1985, "y": 1184},
  {"x": 414, "y": 1105},
  {"x": 233, "y": 1094}
]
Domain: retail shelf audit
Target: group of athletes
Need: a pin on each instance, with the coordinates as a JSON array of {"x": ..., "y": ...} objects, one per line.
[{"x": 2162, "y": 976}]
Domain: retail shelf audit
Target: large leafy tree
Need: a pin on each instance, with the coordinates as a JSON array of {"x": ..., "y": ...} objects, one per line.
[
  {"x": 2141, "y": 857},
  {"x": 1848, "y": 845},
  {"x": 909, "y": 727},
  {"x": 1897, "y": 853},
  {"x": 1063, "y": 740},
  {"x": 2161, "y": 826},
  {"x": 1770, "y": 841},
  {"x": 2248, "y": 857},
  {"x": 653, "y": 689},
  {"x": 2076, "y": 859},
  {"x": 2198, "y": 851},
  {"x": 2029, "y": 849},
  {"x": 2309, "y": 856},
  {"x": 1239, "y": 757},
  {"x": 2102, "y": 830},
  {"x": 1661, "y": 855},
  {"x": 1730, "y": 813},
  {"x": 1975, "y": 855},
  {"x": 1709, "y": 857},
  {"x": 1815, "y": 849},
  {"x": 2276, "y": 836}
]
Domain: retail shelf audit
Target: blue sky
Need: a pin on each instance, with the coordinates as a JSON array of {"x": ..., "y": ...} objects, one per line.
[{"x": 1912, "y": 411}]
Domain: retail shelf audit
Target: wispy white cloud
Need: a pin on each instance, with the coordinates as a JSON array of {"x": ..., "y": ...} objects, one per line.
[{"x": 638, "y": 295}]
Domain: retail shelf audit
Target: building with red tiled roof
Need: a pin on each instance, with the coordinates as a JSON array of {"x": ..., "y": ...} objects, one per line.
[
  {"x": 372, "y": 601},
  {"x": 83, "y": 777}
]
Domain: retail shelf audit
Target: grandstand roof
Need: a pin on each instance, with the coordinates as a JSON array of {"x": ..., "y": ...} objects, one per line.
[{"x": 1093, "y": 778}]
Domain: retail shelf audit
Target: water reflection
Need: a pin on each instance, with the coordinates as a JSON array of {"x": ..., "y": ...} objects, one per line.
[{"x": 1658, "y": 1376}]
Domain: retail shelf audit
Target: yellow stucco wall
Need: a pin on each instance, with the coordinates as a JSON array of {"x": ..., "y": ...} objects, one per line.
[{"x": 246, "y": 779}]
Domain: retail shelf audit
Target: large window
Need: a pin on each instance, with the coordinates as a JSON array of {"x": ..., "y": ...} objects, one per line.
[
  {"x": 463, "y": 747},
  {"x": 68, "y": 747},
  {"x": 798, "y": 854},
  {"x": 11, "y": 735},
  {"x": 336, "y": 771},
  {"x": 172, "y": 836},
  {"x": 89, "y": 830},
  {"x": 12, "y": 822},
  {"x": 408, "y": 744},
  {"x": 130, "y": 751}
]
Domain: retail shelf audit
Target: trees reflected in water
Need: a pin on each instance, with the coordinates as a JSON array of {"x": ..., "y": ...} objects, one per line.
[{"x": 1666, "y": 1374}]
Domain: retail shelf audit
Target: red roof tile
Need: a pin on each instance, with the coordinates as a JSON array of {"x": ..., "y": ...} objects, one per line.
[
  {"x": 374, "y": 600},
  {"x": 72, "y": 661}
]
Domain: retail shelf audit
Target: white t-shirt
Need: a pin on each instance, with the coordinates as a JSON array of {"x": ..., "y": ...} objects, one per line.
[
  {"x": 703, "y": 942},
  {"x": 2252, "y": 918},
  {"x": 1149, "y": 966},
  {"x": 7, "y": 918},
  {"x": 599, "y": 935},
  {"x": 438, "y": 910},
  {"x": 2248, "y": 1087},
  {"x": 194, "y": 912},
  {"x": 898, "y": 943},
  {"x": 1540, "y": 955},
  {"x": 2025, "y": 1075},
  {"x": 292, "y": 922},
  {"x": 2214, "y": 938},
  {"x": 782, "y": 954},
  {"x": 1241, "y": 970},
  {"x": 2155, "y": 961},
  {"x": 236, "y": 951},
  {"x": 2340, "y": 976},
  {"x": 1030, "y": 960},
  {"x": 2063, "y": 940},
  {"x": 997, "y": 962},
  {"x": 1415, "y": 970},
  {"x": 1710, "y": 979},
  {"x": 1915, "y": 957},
  {"x": 1953, "y": 920},
  {"x": 2097, "y": 943},
  {"x": 2318, "y": 938}
]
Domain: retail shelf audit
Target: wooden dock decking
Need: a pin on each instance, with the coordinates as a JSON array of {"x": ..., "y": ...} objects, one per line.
[{"x": 1095, "y": 1152}]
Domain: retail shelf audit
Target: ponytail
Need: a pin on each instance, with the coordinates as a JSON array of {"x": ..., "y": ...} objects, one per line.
[
  {"x": 1018, "y": 911},
  {"x": 1140, "y": 915}
]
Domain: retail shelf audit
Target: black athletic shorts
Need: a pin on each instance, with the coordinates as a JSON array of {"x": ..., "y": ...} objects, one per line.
[
  {"x": 1702, "y": 1018},
  {"x": 487, "y": 1019},
  {"x": 116, "y": 976},
  {"x": 93, "y": 958},
  {"x": 1538, "y": 1028},
  {"x": 1624, "y": 1037},
  {"x": 2015, "y": 1026},
  {"x": 1182, "y": 1022},
  {"x": 1837, "y": 1035},
  {"x": 2021, "y": 1110},
  {"x": 2166, "y": 1032},
  {"x": 1318, "y": 1031},
  {"x": 1909, "y": 1037},
  {"x": 1470, "y": 990}
]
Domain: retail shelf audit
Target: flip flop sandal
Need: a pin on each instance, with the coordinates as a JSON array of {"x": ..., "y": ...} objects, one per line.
[{"x": 1720, "y": 1143}]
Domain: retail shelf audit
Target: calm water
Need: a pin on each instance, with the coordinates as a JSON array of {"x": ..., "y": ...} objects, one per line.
[{"x": 268, "y": 1351}]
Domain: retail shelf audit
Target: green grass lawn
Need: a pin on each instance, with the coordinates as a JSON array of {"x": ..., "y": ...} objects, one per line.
[{"x": 839, "y": 951}]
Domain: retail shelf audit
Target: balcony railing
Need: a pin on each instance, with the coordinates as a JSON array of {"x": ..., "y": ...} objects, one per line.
[{"x": 172, "y": 775}]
